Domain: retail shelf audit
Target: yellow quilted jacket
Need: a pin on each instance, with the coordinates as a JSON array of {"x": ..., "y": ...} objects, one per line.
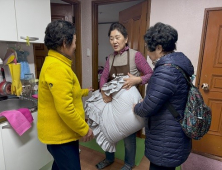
[{"x": 61, "y": 116}]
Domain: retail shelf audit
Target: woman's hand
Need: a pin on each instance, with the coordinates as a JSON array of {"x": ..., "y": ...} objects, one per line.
[
  {"x": 89, "y": 136},
  {"x": 106, "y": 98},
  {"x": 90, "y": 89},
  {"x": 136, "y": 104},
  {"x": 131, "y": 81}
]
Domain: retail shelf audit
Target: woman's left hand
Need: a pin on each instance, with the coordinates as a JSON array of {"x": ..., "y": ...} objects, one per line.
[
  {"x": 136, "y": 104},
  {"x": 90, "y": 89},
  {"x": 131, "y": 81}
]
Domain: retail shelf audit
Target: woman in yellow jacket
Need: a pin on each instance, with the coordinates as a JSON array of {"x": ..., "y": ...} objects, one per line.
[{"x": 61, "y": 118}]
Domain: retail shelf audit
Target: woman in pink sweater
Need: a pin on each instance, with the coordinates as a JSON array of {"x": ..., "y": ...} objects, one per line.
[{"x": 124, "y": 61}]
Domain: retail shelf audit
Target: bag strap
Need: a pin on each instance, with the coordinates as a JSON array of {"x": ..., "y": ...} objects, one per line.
[
  {"x": 178, "y": 68},
  {"x": 173, "y": 111},
  {"x": 169, "y": 106}
]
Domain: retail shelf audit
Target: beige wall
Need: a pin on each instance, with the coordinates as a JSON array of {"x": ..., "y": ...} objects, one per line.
[
  {"x": 86, "y": 34},
  {"x": 184, "y": 15},
  {"x": 187, "y": 17}
]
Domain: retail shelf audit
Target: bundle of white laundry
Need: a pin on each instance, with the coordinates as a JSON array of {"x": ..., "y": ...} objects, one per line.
[{"x": 115, "y": 120}]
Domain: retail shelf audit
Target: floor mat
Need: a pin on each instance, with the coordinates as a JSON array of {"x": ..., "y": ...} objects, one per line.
[{"x": 120, "y": 150}]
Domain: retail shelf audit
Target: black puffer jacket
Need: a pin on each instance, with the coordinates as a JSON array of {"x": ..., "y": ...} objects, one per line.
[{"x": 166, "y": 143}]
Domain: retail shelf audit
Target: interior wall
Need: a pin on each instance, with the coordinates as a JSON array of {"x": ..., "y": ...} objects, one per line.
[
  {"x": 86, "y": 38},
  {"x": 186, "y": 16}
]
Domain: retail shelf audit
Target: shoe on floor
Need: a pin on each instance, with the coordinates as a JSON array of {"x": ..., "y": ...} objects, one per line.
[
  {"x": 103, "y": 164},
  {"x": 126, "y": 167}
]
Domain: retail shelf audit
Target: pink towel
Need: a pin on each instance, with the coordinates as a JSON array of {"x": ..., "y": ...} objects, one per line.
[
  {"x": 26, "y": 112},
  {"x": 20, "y": 119}
]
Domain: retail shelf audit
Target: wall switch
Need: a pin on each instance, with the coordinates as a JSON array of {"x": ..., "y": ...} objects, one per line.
[{"x": 88, "y": 52}]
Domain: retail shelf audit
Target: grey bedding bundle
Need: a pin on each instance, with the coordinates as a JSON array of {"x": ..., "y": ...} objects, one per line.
[{"x": 115, "y": 120}]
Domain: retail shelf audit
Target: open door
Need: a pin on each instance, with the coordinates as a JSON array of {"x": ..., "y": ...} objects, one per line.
[
  {"x": 143, "y": 18},
  {"x": 135, "y": 19},
  {"x": 68, "y": 12},
  {"x": 136, "y": 23},
  {"x": 210, "y": 73}
]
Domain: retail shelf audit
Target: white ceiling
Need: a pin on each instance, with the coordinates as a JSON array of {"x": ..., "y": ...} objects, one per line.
[{"x": 109, "y": 13}]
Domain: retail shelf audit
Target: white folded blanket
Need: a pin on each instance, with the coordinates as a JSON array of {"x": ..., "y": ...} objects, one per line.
[{"x": 115, "y": 120}]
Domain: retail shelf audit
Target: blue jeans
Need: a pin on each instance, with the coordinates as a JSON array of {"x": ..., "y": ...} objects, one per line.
[
  {"x": 130, "y": 151},
  {"x": 66, "y": 156}
]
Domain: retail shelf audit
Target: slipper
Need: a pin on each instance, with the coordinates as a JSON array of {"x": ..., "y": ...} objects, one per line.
[
  {"x": 126, "y": 167},
  {"x": 103, "y": 164}
]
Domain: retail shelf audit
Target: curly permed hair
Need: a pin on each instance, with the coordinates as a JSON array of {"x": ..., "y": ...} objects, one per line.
[
  {"x": 56, "y": 32},
  {"x": 161, "y": 34},
  {"x": 119, "y": 27}
]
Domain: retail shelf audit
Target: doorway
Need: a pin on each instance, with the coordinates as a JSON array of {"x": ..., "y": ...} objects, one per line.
[
  {"x": 96, "y": 56},
  {"x": 136, "y": 23}
]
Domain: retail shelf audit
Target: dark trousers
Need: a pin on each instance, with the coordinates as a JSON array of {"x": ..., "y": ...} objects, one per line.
[
  {"x": 66, "y": 156},
  {"x": 156, "y": 167}
]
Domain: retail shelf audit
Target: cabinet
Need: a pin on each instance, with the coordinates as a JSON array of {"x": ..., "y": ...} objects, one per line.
[
  {"x": 24, "y": 18},
  {"x": 22, "y": 152},
  {"x": 8, "y": 31}
]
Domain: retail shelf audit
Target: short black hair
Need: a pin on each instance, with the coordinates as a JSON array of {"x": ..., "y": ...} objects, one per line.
[
  {"x": 56, "y": 32},
  {"x": 119, "y": 27},
  {"x": 161, "y": 34}
]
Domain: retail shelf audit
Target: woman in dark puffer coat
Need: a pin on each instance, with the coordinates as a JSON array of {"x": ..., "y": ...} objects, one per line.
[{"x": 166, "y": 145}]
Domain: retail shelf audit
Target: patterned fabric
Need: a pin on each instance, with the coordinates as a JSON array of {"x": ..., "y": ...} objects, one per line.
[
  {"x": 197, "y": 116},
  {"x": 141, "y": 65}
]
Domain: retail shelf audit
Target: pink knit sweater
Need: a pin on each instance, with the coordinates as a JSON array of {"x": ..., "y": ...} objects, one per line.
[{"x": 141, "y": 65}]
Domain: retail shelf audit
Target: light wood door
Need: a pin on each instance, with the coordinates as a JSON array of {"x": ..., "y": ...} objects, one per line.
[
  {"x": 211, "y": 73},
  {"x": 135, "y": 21}
]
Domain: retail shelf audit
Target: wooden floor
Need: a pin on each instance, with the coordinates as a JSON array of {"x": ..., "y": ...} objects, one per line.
[{"x": 89, "y": 158}]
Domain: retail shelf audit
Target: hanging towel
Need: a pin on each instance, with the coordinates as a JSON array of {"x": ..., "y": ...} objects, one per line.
[
  {"x": 20, "y": 119},
  {"x": 22, "y": 59},
  {"x": 26, "y": 112},
  {"x": 24, "y": 69}
]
